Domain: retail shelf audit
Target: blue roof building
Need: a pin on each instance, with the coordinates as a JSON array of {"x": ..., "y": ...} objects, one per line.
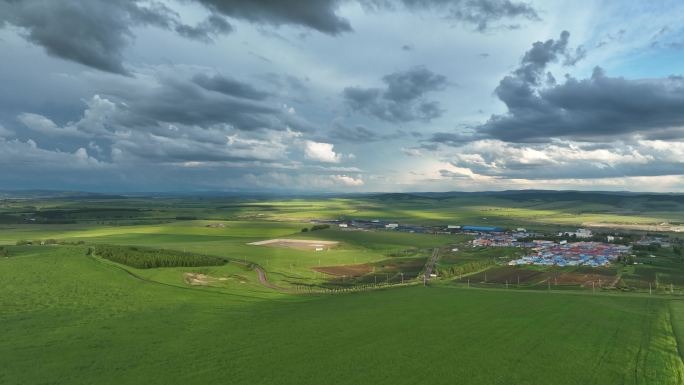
[{"x": 484, "y": 229}]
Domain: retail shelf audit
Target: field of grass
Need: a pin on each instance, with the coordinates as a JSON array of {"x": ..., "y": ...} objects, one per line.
[
  {"x": 286, "y": 267},
  {"x": 533, "y": 210},
  {"x": 68, "y": 318}
]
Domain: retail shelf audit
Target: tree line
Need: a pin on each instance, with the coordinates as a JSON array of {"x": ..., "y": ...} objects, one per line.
[
  {"x": 147, "y": 258},
  {"x": 316, "y": 228}
]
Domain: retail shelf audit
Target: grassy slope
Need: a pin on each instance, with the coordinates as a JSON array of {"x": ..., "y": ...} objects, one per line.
[
  {"x": 67, "y": 318},
  {"x": 286, "y": 266}
]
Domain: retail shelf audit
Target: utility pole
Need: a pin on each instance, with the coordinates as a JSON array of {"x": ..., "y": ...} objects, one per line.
[
  {"x": 593, "y": 290},
  {"x": 468, "y": 282},
  {"x": 649, "y": 289},
  {"x": 506, "y": 284},
  {"x": 402, "y": 278}
]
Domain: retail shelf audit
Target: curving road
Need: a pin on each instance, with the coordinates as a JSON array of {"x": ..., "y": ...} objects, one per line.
[{"x": 261, "y": 274}]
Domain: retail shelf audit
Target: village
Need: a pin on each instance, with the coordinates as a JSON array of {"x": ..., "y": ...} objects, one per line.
[
  {"x": 552, "y": 253},
  {"x": 571, "y": 248}
]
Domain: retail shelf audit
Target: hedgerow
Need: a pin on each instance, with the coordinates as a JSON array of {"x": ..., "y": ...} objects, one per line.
[{"x": 146, "y": 258}]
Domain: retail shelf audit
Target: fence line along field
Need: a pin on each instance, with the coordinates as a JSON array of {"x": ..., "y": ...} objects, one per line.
[{"x": 228, "y": 291}]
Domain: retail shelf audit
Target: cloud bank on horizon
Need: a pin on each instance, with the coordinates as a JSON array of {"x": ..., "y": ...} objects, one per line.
[{"x": 341, "y": 95}]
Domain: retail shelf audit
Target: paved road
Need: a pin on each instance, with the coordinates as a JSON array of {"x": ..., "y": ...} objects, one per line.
[{"x": 430, "y": 266}]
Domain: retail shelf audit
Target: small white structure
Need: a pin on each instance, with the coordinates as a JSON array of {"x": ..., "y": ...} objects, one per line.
[
  {"x": 391, "y": 225},
  {"x": 319, "y": 249},
  {"x": 563, "y": 242},
  {"x": 453, "y": 227},
  {"x": 610, "y": 238},
  {"x": 584, "y": 233},
  {"x": 521, "y": 230},
  {"x": 580, "y": 233},
  {"x": 454, "y": 249},
  {"x": 343, "y": 225}
]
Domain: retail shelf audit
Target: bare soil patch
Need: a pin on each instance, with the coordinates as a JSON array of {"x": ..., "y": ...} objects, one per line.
[
  {"x": 584, "y": 280},
  {"x": 528, "y": 276},
  {"x": 300, "y": 244},
  {"x": 199, "y": 279},
  {"x": 637, "y": 226}
]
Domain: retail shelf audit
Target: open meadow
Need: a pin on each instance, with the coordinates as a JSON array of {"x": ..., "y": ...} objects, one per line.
[{"x": 178, "y": 291}]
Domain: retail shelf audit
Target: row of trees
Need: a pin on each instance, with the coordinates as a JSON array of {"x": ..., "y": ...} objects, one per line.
[
  {"x": 316, "y": 228},
  {"x": 145, "y": 258}
]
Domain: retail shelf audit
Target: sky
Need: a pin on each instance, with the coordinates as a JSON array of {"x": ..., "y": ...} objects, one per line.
[{"x": 341, "y": 95}]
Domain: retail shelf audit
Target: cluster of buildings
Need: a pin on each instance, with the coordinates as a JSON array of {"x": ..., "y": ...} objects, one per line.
[
  {"x": 593, "y": 254},
  {"x": 507, "y": 239},
  {"x": 580, "y": 233},
  {"x": 550, "y": 253},
  {"x": 648, "y": 241},
  {"x": 377, "y": 224}
]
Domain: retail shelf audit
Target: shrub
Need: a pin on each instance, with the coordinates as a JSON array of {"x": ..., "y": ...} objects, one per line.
[
  {"x": 144, "y": 258},
  {"x": 319, "y": 227}
]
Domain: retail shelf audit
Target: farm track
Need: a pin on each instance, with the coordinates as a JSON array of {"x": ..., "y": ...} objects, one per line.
[
  {"x": 430, "y": 266},
  {"x": 263, "y": 280}
]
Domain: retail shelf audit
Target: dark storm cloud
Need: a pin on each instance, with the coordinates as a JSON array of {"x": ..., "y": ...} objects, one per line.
[
  {"x": 229, "y": 86},
  {"x": 402, "y": 98},
  {"x": 95, "y": 32},
  {"x": 591, "y": 109},
  {"x": 535, "y": 60},
  {"x": 452, "y": 139},
  {"x": 319, "y": 15},
  {"x": 179, "y": 101},
  {"x": 213, "y": 25},
  {"x": 480, "y": 13}
]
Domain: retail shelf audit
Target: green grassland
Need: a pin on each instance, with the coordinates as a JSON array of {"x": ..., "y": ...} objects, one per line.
[
  {"x": 533, "y": 209},
  {"x": 69, "y": 316}
]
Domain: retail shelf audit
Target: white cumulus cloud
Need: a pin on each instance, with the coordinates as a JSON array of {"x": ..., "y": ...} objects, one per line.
[
  {"x": 322, "y": 152},
  {"x": 348, "y": 180}
]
